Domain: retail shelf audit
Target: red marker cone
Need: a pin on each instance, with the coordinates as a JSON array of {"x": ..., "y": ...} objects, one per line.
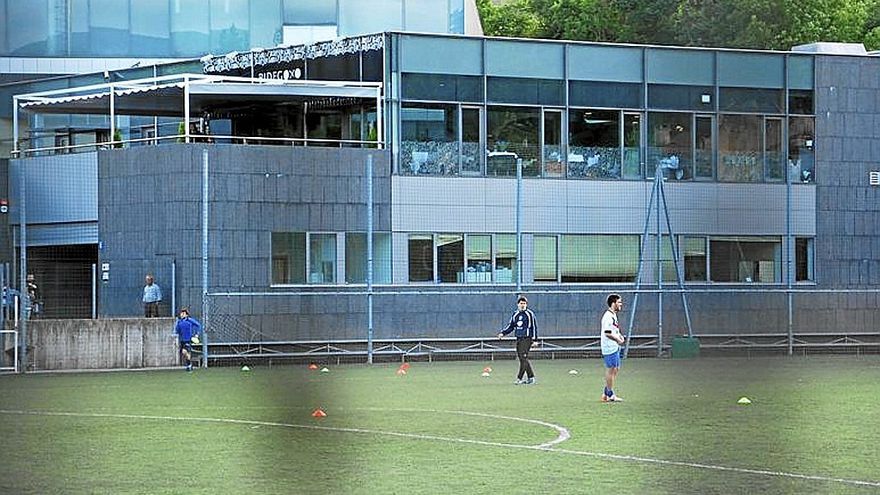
[
  {"x": 313, "y": 366},
  {"x": 401, "y": 371},
  {"x": 319, "y": 413},
  {"x": 487, "y": 370},
  {"x": 404, "y": 366}
]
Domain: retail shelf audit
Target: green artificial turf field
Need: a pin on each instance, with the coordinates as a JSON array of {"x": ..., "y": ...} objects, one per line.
[{"x": 813, "y": 427}]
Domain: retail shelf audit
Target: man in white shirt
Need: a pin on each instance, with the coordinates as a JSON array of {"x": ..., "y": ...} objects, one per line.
[{"x": 611, "y": 340}]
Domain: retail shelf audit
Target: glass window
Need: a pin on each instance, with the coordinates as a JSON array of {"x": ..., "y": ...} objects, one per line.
[
  {"x": 544, "y": 248},
  {"x": 667, "y": 261},
  {"x": 426, "y": 16},
  {"x": 804, "y": 259},
  {"x": 229, "y": 26},
  {"x": 442, "y": 87},
  {"x": 632, "y": 146},
  {"x": 745, "y": 259},
  {"x": 310, "y": 13},
  {"x": 479, "y": 260},
  {"x": 677, "y": 97},
  {"x": 471, "y": 153},
  {"x": 190, "y": 31},
  {"x": 355, "y": 17},
  {"x": 421, "y": 257},
  {"x": 605, "y": 94},
  {"x": 695, "y": 259},
  {"x": 108, "y": 27},
  {"x": 751, "y": 100},
  {"x": 801, "y": 131},
  {"x": 524, "y": 91},
  {"x": 599, "y": 258},
  {"x": 740, "y": 148},
  {"x": 704, "y": 150},
  {"x": 774, "y": 156},
  {"x": 554, "y": 165},
  {"x": 28, "y": 27},
  {"x": 513, "y": 134},
  {"x": 505, "y": 258},
  {"x": 429, "y": 140},
  {"x": 356, "y": 258},
  {"x": 670, "y": 144},
  {"x": 800, "y": 101},
  {"x": 594, "y": 144},
  {"x": 322, "y": 258},
  {"x": 288, "y": 257},
  {"x": 450, "y": 257},
  {"x": 150, "y": 27}
]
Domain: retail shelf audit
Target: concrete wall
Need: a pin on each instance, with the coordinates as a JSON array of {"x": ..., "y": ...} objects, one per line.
[{"x": 101, "y": 344}]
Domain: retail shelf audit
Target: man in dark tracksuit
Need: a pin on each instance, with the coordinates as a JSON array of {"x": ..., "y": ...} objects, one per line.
[{"x": 524, "y": 326}]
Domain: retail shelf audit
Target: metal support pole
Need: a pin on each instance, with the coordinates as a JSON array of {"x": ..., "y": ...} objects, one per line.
[
  {"x": 380, "y": 133},
  {"x": 186, "y": 109},
  {"x": 635, "y": 304},
  {"x": 519, "y": 210},
  {"x": 15, "y": 149},
  {"x": 676, "y": 263},
  {"x": 369, "y": 173},
  {"x": 174, "y": 287},
  {"x": 94, "y": 291},
  {"x": 789, "y": 272},
  {"x": 22, "y": 251},
  {"x": 112, "y": 117},
  {"x": 205, "y": 313},
  {"x": 659, "y": 179}
]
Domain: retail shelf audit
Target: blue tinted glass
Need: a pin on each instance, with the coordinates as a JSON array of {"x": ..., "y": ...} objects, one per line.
[
  {"x": 456, "y": 16},
  {"x": 426, "y": 16},
  {"x": 526, "y": 91},
  {"x": 751, "y": 100},
  {"x": 150, "y": 28},
  {"x": 357, "y": 17},
  {"x": 681, "y": 97},
  {"x": 108, "y": 28},
  {"x": 442, "y": 87},
  {"x": 79, "y": 28},
  {"x": 31, "y": 27},
  {"x": 189, "y": 27},
  {"x": 3, "y": 21},
  {"x": 310, "y": 12},
  {"x": 601, "y": 94},
  {"x": 265, "y": 28},
  {"x": 229, "y": 26}
]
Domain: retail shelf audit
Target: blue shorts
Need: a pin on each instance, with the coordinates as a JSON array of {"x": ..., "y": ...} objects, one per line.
[{"x": 612, "y": 360}]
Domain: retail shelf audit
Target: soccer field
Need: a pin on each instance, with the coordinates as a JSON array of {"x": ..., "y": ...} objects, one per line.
[{"x": 813, "y": 427}]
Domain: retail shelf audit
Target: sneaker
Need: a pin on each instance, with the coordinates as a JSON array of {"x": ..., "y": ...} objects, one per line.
[
  {"x": 615, "y": 398},
  {"x": 604, "y": 398},
  {"x": 530, "y": 381},
  {"x": 519, "y": 382},
  {"x": 189, "y": 367}
]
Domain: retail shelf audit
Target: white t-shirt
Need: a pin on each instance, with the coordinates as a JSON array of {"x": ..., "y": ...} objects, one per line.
[{"x": 609, "y": 322}]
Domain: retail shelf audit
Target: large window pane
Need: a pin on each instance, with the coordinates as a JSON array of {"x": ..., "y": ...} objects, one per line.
[
  {"x": 605, "y": 94},
  {"x": 773, "y": 150},
  {"x": 745, "y": 259},
  {"x": 356, "y": 258},
  {"x": 800, "y": 101},
  {"x": 704, "y": 151},
  {"x": 427, "y": 16},
  {"x": 545, "y": 262},
  {"x": 288, "y": 257},
  {"x": 356, "y": 17},
  {"x": 28, "y": 27},
  {"x": 599, "y": 258},
  {"x": 756, "y": 100},
  {"x": 801, "y": 131},
  {"x": 632, "y": 146},
  {"x": 505, "y": 258},
  {"x": 421, "y": 257},
  {"x": 471, "y": 154},
  {"x": 679, "y": 97},
  {"x": 309, "y": 13},
  {"x": 740, "y": 148},
  {"x": 150, "y": 27},
  {"x": 322, "y": 258},
  {"x": 670, "y": 143},
  {"x": 594, "y": 144},
  {"x": 229, "y": 26},
  {"x": 524, "y": 91},
  {"x": 450, "y": 257},
  {"x": 442, "y": 87},
  {"x": 479, "y": 260},
  {"x": 108, "y": 27},
  {"x": 513, "y": 133},
  {"x": 554, "y": 166},
  {"x": 695, "y": 259},
  {"x": 190, "y": 31},
  {"x": 429, "y": 143}
]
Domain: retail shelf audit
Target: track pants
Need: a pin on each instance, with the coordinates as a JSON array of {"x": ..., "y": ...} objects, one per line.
[{"x": 523, "y": 344}]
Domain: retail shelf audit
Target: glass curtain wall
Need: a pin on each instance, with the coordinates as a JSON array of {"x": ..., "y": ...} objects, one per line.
[
  {"x": 513, "y": 133},
  {"x": 670, "y": 145},
  {"x": 429, "y": 139},
  {"x": 594, "y": 144}
]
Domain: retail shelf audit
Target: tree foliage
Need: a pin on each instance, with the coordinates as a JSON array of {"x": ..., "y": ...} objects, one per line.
[{"x": 760, "y": 24}]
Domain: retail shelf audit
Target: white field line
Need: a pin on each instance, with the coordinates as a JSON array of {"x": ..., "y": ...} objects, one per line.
[{"x": 546, "y": 447}]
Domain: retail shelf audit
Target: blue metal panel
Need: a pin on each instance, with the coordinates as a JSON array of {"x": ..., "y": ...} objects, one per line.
[
  {"x": 59, "y": 189},
  {"x": 441, "y": 55},
  {"x": 525, "y": 59},
  {"x": 800, "y": 72},
  {"x": 605, "y": 63},
  {"x": 751, "y": 70},
  {"x": 693, "y": 67}
]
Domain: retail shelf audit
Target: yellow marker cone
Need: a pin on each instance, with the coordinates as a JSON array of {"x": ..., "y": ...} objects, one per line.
[{"x": 744, "y": 401}]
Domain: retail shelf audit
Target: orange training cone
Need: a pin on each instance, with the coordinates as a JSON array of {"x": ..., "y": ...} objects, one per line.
[
  {"x": 319, "y": 413},
  {"x": 487, "y": 369},
  {"x": 401, "y": 371},
  {"x": 313, "y": 366},
  {"x": 404, "y": 366}
]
